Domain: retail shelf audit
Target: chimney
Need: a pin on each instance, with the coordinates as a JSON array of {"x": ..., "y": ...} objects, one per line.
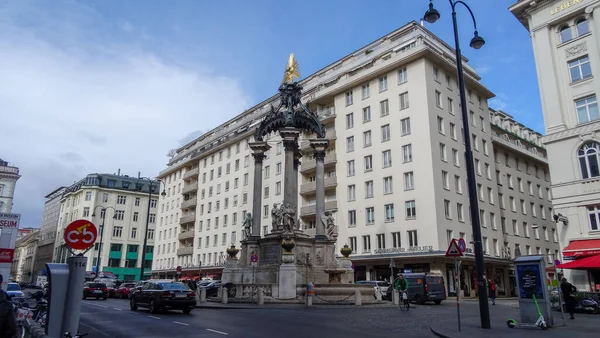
[
  {"x": 139, "y": 174},
  {"x": 119, "y": 172},
  {"x": 422, "y": 22}
]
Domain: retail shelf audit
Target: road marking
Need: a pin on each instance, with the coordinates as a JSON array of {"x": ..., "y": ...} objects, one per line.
[
  {"x": 116, "y": 308},
  {"x": 180, "y": 323},
  {"x": 219, "y": 332},
  {"x": 134, "y": 313},
  {"x": 153, "y": 317},
  {"x": 97, "y": 305}
]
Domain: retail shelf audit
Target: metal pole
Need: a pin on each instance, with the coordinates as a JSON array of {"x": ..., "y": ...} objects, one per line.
[
  {"x": 100, "y": 245},
  {"x": 472, "y": 185},
  {"x": 73, "y": 297},
  {"x": 457, "y": 287},
  {"x": 146, "y": 231}
]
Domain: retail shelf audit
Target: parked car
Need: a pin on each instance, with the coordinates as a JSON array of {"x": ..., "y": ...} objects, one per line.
[
  {"x": 95, "y": 290},
  {"x": 379, "y": 286},
  {"x": 13, "y": 290},
  {"x": 212, "y": 287},
  {"x": 423, "y": 287},
  {"x": 164, "y": 295},
  {"x": 123, "y": 290}
]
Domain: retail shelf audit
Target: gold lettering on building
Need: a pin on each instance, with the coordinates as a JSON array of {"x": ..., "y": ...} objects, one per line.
[{"x": 564, "y": 6}]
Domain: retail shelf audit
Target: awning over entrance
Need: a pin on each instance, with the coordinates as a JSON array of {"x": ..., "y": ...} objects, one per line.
[
  {"x": 592, "y": 262},
  {"x": 588, "y": 247}
]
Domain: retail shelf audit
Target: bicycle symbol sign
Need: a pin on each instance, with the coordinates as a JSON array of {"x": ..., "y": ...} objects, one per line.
[{"x": 80, "y": 234}]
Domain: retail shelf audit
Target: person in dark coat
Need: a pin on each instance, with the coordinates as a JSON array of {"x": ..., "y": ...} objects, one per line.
[
  {"x": 8, "y": 324},
  {"x": 568, "y": 291}
]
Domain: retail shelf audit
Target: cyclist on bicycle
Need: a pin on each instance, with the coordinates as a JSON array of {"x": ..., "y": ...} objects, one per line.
[{"x": 401, "y": 284}]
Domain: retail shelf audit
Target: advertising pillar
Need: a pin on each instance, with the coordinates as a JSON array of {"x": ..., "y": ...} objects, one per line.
[
  {"x": 9, "y": 229},
  {"x": 533, "y": 289}
]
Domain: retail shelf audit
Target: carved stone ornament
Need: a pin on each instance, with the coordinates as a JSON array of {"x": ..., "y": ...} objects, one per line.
[
  {"x": 576, "y": 50},
  {"x": 346, "y": 251},
  {"x": 232, "y": 252}
]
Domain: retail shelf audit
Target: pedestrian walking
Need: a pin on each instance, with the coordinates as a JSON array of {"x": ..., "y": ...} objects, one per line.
[
  {"x": 8, "y": 324},
  {"x": 492, "y": 291},
  {"x": 568, "y": 291}
]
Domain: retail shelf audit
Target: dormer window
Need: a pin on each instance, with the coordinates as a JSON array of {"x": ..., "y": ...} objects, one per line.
[
  {"x": 565, "y": 34},
  {"x": 582, "y": 27}
]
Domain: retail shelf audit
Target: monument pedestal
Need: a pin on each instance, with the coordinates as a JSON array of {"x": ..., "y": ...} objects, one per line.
[{"x": 287, "y": 279}]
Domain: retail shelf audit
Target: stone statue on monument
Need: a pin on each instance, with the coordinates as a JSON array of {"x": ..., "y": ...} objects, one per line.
[
  {"x": 329, "y": 224},
  {"x": 247, "y": 226},
  {"x": 288, "y": 218},
  {"x": 276, "y": 215}
]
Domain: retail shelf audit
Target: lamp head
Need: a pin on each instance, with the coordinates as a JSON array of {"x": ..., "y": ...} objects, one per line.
[
  {"x": 163, "y": 194},
  {"x": 477, "y": 41},
  {"x": 432, "y": 15},
  {"x": 94, "y": 214}
]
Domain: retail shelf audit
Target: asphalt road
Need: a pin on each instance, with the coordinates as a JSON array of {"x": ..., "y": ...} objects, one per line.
[{"x": 113, "y": 318}]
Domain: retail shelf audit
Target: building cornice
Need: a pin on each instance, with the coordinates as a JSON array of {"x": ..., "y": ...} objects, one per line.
[{"x": 587, "y": 129}]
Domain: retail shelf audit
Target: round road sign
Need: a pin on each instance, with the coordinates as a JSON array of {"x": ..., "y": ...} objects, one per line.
[
  {"x": 179, "y": 268},
  {"x": 254, "y": 258},
  {"x": 462, "y": 245},
  {"x": 80, "y": 234}
]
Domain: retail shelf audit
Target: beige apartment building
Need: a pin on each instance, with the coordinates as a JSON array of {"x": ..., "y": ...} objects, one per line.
[
  {"x": 395, "y": 178},
  {"x": 126, "y": 202},
  {"x": 566, "y": 45}
]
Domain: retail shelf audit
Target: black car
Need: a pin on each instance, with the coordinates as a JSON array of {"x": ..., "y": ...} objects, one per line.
[
  {"x": 164, "y": 296},
  {"x": 95, "y": 290}
]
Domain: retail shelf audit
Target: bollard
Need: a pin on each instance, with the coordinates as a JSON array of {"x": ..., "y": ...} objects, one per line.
[
  {"x": 357, "y": 297},
  {"x": 396, "y": 297},
  {"x": 378, "y": 295},
  {"x": 224, "y": 295},
  {"x": 261, "y": 296},
  {"x": 202, "y": 295},
  {"x": 309, "y": 300}
]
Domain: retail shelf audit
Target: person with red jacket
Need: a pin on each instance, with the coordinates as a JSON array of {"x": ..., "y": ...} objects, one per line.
[{"x": 492, "y": 291}]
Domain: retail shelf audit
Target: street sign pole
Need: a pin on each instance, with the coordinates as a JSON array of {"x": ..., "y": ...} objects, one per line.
[
  {"x": 457, "y": 287},
  {"x": 72, "y": 312}
]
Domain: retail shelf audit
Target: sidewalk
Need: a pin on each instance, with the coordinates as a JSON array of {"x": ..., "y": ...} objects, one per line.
[
  {"x": 237, "y": 305},
  {"x": 583, "y": 326}
]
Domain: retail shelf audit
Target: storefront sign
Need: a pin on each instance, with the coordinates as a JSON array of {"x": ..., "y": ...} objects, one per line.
[
  {"x": 565, "y": 5},
  {"x": 426, "y": 248},
  {"x": 9, "y": 220},
  {"x": 6, "y": 255}
]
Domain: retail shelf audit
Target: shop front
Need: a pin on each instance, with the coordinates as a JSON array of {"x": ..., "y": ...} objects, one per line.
[{"x": 582, "y": 264}]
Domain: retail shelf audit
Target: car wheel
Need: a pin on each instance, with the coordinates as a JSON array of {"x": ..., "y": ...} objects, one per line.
[
  {"x": 437, "y": 302},
  {"x": 105, "y": 298},
  {"x": 187, "y": 310},
  {"x": 132, "y": 305},
  {"x": 418, "y": 300},
  {"x": 152, "y": 307},
  {"x": 83, "y": 297}
]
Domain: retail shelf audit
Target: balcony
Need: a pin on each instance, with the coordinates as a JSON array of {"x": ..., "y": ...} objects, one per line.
[
  {"x": 512, "y": 143},
  {"x": 191, "y": 203},
  {"x": 191, "y": 173},
  {"x": 186, "y": 234},
  {"x": 311, "y": 165},
  {"x": 188, "y": 250},
  {"x": 189, "y": 187},
  {"x": 191, "y": 218},
  {"x": 310, "y": 210},
  {"x": 311, "y": 187},
  {"x": 331, "y": 135}
]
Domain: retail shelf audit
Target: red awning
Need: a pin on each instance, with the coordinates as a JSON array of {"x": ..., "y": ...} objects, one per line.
[
  {"x": 588, "y": 247},
  {"x": 592, "y": 262}
]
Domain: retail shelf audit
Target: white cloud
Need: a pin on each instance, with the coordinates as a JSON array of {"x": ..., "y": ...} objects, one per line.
[{"x": 74, "y": 105}]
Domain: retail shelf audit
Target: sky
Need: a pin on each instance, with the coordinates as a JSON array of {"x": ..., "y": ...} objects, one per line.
[{"x": 97, "y": 86}]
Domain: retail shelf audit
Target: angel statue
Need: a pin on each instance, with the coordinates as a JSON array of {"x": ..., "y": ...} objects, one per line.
[
  {"x": 329, "y": 224},
  {"x": 291, "y": 70},
  {"x": 247, "y": 225},
  {"x": 275, "y": 217}
]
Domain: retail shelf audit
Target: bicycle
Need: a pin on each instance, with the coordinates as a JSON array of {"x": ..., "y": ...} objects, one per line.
[{"x": 404, "y": 303}]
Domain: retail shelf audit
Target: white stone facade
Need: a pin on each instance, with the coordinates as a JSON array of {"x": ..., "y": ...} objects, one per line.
[
  {"x": 566, "y": 44},
  {"x": 9, "y": 175}
]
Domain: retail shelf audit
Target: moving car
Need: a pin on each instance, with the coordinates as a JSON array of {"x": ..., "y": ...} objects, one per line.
[
  {"x": 423, "y": 287},
  {"x": 123, "y": 290},
  {"x": 163, "y": 295},
  {"x": 95, "y": 290}
]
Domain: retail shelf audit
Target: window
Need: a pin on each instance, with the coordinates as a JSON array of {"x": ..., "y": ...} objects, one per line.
[
  {"x": 594, "y": 215},
  {"x": 515, "y": 227},
  {"x": 403, "y": 100},
  {"x": 384, "y": 107},
  {"x": 589, "y": 159},
  {"x": 409, "y": 183},
  {"x": 580, "y": 69},
  {"x": 349, "y": 99},
  {"x": 490, "y": 195},
  {"x": 440, "y": 122},
  {"x": 351, "y": 192},
  {"x": 523, "y": 207},
  {"x": 513, "y": 205},
  {"x": 455, "y": 158},
  {"x": 350, "y": 166},
  {"x": 445, "y": 180},
  {"x": 412, "y": 238},
  {"x": 407, "y": 153},
  {"x": 435, "y": 73},
  {"x": 459, "y": 212},
  {"x": 368, "y": 163},
  {"x": 380, "y": 241},
  {"x": 443, "y": 152},
  {"x": 349, "y": 120},
  {"x": 367, "y": 138},
  {"x": 582, "y": 27},
  {"x": 587, "y": 109},
  {"x": 370, "y": 215},
  {"x": 353, "y": 244},
  {"x": 473, "y": 120},
  {"x": 120, "y": 215},
  {"x": 366, "y": 91},
  {"x": 385, "y": 133},
  {"x": 520, "y": 184},
  {"x": 388, "y": 185},
  {"x": 405, "y": 123},
  {"x": 438, "y": 99},
  {"x": 411, "y": 209},
  {"x": 105, "y": 198},
  {"x": 383, "y": 83},
  {"x": 457, "y": 184},
  {"x": 277, "y": 170},
  {"x": 121, "y": 199},
  {"x": 350, "y": 144},
  {"x": 450, "y": 106},
  {"x": 369, "y": 189},
  {"x": 267, "y": 171},
  {"x": 482, "y": 218},
  {"x": 366, "y": 114},
  {"x": 387, "y": 158},
  {"x": 453, "y": 131},
  {"x": 447, "y": 211},
  {"x": 480, "y": 192},
  {"x": 402, "y": 76},
  {"x": 366, "y": 243},
  {"x": 493, "y": 221},
  {"x": 352, "y": 218},
  {"x": 484, "y": 144},
  {"x": 88, "y": 195},
  {"x": 117, "y": 231},
  {"x": 389, "y": 212},
  {"x": 133, "y": 232}
]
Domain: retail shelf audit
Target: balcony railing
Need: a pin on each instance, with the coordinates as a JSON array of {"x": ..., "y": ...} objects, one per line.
[
  {"x": 310, "y": 210},
  {"x": 512, "y": 143},
  {"x": 187, "y": 219},
  {"x": 191, "y": 203},
  {"x": 186, "y": 234},
  {"x": 188, "y": 250},
  {"x": 311, "y": 187},
  {"x": 191, "y": 173},
  {"x": 189, "y": 187},
  {"x": 330, "y": 158},
  {"x": 331, "y": 135},
  {"x": 9, "y": 170}
]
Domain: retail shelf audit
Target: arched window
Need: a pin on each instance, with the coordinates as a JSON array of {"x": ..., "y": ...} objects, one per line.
[
  {"x": 565, "y": 34},
  {"x": 582, "y": 27},
  {"x": 589, "y": 159}
]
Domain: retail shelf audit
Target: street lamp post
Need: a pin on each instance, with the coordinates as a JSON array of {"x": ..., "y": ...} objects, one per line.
[
  {"x": 431, "y": 16},
  {"x": 103, "y": 211},
  {"x": 151, "y": 183}
]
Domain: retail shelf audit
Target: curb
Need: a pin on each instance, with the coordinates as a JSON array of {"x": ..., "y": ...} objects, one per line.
[{"x": 437, "y": 333}]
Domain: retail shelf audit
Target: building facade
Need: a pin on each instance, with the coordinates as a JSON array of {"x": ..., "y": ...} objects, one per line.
[
  {"x": 120, "y": 203},
  {"x": 566, "y": 44},
  {"x": 395, "y": 178},
  {"x": 47, "y": 237},
  {"x": 22, "y": 270},
  {"x": 9, "y": 175}
]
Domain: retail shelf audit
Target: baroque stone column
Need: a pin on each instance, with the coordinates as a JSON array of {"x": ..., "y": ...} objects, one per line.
[
  {"x": 258, "y": 152},
  {"x": 319, "y": 145},
  {"x": 290, "y": 184},
  {"x": 297, "y": 157}
]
